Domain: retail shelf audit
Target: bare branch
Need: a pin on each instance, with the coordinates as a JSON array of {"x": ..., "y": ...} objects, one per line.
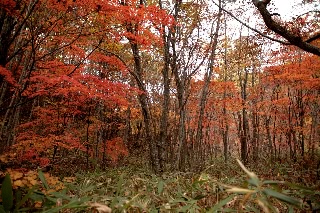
[
  {"x": 313, "y": 38},
  {"x": 285, "y": 33},
  {"x": 251, "y": 28}
]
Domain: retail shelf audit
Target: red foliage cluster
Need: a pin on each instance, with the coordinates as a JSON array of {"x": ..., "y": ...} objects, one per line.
[{"x": 66, "y": 64}]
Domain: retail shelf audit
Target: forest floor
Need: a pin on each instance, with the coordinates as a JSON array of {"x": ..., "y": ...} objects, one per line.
[{"x": 221, "y": 187}]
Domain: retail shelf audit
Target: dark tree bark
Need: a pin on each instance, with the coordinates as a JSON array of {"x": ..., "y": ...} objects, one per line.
[
  {"x": 244, "y": 135},
  {"x": 162, "y": 147},
  {"x": 276, "y": 27},
  {"x": 143, "y": 99}
]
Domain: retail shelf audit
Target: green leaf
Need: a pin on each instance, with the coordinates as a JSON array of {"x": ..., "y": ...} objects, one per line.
[
  {"x": 189, "y": 207},
  {"x": 119, "y": 185},
  {"x": 2, "y": 209},
  {"x": 252, "y": 209},
  {"x": 199, "y": 197},
  {"x": 25, "y": 198},
  {"x": 154, "y": 210},
  {"x": 297, "y": 186},
  {"x": 229, "y": 210},
  {"x": 254, "y": 180},
  {"x": 290, "y": 209},
  {"x": 37, "y": 196},
  {"x": 18, "y": 196},
  {"x": 52, "y": 199},
  {"x": 197, "y": 183},
  {"x": 221, "y": 203},
  {"x": 26, "y": 209},
  {"x": 43, "y": 180},
  {"x": 160, "y": 186},
  {"x": 282, "y": 197},
  {"x": 7, "y": 193},
  {"x": 60, "y": 195},
  {"x": 75, "y": 204},
  {"x": 185, "y": 208},
  {"x": 273, "y": 182}
]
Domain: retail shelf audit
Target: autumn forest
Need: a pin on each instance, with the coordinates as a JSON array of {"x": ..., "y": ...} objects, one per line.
[{"x": 160, "y": 88}]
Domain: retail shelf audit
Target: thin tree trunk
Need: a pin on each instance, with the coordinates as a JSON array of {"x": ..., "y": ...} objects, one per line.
[
  {"x": 205, "y": 88},
  {"x": 143, "y": 99},
  {"x": 181, "y": 82},
  {"x": 245, "y": 125},
  {"x": 9, "y": 120},
  {"x": 225, "y": 135},
  {"x": 267, "y": 123},
  {"x": 162, "y": 145}
]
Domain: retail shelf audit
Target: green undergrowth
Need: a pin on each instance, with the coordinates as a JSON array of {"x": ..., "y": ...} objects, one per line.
[{"x": 233, "y": 188}]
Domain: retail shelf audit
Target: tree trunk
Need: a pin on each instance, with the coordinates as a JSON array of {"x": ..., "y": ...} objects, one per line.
[
  {"x": 162, "y": 145},
  {"x": 205, "y": 88},
  {"x": 245, "y": 126},
  {"x": 225, "y": 135},
  {"x": 143, "y": 99}
]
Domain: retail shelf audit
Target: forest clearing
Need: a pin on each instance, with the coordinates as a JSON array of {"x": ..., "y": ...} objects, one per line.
[{"x": 159, "y": 106}]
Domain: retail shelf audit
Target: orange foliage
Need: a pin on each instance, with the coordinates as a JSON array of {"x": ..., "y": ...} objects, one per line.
[{"x": 75, "y": 78}]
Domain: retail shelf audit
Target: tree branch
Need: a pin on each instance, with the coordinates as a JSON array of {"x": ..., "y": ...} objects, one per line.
[
  {"x": 136, "y": 77},
  {"x": 282, "y": 31},
  {"x": 313, "y": 37},
  {"x": 251, "y": 28}
]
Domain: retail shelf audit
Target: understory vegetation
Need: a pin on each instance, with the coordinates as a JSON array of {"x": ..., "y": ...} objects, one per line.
[
  {"x": 159, "y": 106},
  {"x": 219, "y": 188}
]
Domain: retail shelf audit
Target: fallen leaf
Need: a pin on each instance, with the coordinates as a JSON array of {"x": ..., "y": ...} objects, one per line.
[
  {"x": 16, "y": 175},
  {"x": 18, "y": 183},
  {"x": 101, "y": 208}
]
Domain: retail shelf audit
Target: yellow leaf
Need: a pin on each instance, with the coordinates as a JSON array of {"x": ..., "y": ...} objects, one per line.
[
  {"x": 240, "y": 190},
  {"x": 16, "y": 175},
  {"x": 69, "y": 179},
  {"x": 33, "y": 182},
  {"x": 59, "y": 187},
  {"x": 25, "y": 182},
  {"x": 29, "y": 178},
  {"x": 18, "y": 183}
]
